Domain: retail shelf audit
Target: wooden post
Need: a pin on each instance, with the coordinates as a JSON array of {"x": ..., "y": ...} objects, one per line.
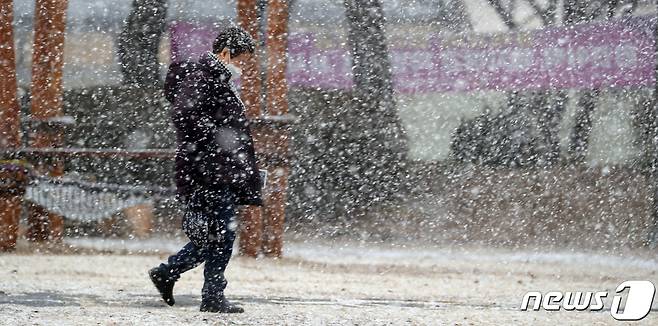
[
  {"x": 10, "y": 203},
  {"x": 277, "y": 105},
  {"x": 9, "y": 108},
  {"x": 48, "y": 60},
  {"x": 250, "y": 88},
  {"x": 251, "y": 226},
  {"x": 10, "y": 211},
  {"x": 13, "y": 181},
  {"x": 275, "y": 212},
  {"x": 47, "y": 64},
  {"x": 140, "y": 218},
  {"x": 277, "y": 44}
]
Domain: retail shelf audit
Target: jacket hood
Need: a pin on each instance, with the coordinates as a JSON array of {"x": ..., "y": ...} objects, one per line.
[{"x": 178, "y": 71}]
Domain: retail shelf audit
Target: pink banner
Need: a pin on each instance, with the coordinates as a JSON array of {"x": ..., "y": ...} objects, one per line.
[
  {"x": 618, "y": 53},
  {"x": 189, "y": 40}
]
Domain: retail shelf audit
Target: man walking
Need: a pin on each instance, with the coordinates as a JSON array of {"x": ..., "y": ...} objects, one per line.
[{"x": 215, "y": 165}]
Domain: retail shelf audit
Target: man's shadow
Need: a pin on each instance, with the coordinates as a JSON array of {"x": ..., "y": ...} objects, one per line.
[
  {"x": 122, "y": 299},
  {"x": 40, "y": 299}
]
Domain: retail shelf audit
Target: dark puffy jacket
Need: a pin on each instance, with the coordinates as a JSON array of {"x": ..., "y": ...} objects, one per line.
[{"x": 215, "y": 147}]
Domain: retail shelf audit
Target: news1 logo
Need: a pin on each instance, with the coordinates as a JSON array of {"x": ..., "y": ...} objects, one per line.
[{"x": 638, "y": 300}]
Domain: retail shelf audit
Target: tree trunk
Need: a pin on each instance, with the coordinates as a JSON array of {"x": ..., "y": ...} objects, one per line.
[
  {"x": 575, "y": 12},
  {"x": 551, "y": 106},
  {"x": 583, "y": 127},
  {"x": 139, "y": 43},
  {"x": 376, "y": 149},
  {"x": 546, "y": 106},
  {"x": 653, "y": 176}
]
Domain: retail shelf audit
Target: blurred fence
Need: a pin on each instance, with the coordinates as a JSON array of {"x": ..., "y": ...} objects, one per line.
[
  {"x": 90, "y": 201},
  {"x": 81, "y": 198}
]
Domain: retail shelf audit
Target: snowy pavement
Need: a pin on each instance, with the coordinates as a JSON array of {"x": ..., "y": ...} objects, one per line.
[{"x": 315, "y": 284}]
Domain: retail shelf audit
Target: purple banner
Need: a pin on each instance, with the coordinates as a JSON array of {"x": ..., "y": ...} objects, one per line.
[
  {"x": 189, "y": 40},
  {"x": 618, "y": 53}
]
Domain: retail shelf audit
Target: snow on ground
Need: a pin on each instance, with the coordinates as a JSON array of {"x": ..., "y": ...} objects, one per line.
[{"x": 316, "y": 283}]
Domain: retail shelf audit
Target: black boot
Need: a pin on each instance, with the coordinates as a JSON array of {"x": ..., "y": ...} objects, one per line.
[
  {"x": 164, "y": 282},
  {"x": 220, "y": 305}
]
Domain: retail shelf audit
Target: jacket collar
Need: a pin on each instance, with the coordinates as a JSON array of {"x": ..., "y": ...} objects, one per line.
[{"x": 215, "y": 66}]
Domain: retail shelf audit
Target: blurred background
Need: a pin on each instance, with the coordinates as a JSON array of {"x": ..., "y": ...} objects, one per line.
[{"x": 504, "y": 123}]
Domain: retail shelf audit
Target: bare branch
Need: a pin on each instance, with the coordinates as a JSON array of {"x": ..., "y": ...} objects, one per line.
[
  {"x": 611, "y": 6},
  {"x": 628, "y": 8},
  {"x": 541, "y": 13},
  {"x": 503, "y": 13},
  {"x": 551, "y": 12}
]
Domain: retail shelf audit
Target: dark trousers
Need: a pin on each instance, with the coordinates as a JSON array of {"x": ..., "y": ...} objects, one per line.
[{"x": 209, "y": 222}]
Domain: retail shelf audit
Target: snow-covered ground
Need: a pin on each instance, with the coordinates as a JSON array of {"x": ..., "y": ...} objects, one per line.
[{"x": 316, "y": 283}]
